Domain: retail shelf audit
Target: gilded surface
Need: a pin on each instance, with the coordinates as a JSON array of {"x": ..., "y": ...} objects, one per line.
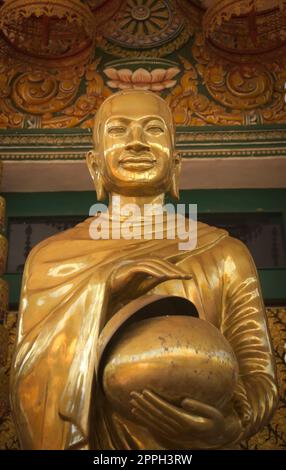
[
  {"x": 74, "y": 287},
  {"x": 2, "y": 211},
  {"x": 57, "y": 29},
  {"x": 272, "y": 437},
  {"x": 205, "y": 84},
  {"x": 238, "y": 93},
  {"x": 144, "y": 29},
  {"x": 145, "y": 25},
  {"x": 246, "y": 26},
  {"x": 8, "y": 438}
]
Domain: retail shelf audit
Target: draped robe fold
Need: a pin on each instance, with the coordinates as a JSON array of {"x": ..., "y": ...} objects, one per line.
[{"x": 64, "y": 305}]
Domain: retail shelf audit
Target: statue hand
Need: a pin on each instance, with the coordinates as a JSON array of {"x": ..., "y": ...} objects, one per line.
[
  {"x": 148, "y": 272},
  {"x": 193, "y": 422}
]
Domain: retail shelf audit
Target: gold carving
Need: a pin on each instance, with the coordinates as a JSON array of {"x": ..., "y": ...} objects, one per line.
[
  {"x": 44, "y": 94},
  {"x": 244, "y": 90},
  {"x": 246, "y": 26},
  {"x": 162, "y": 51},
  {"x": 3, "y": 256},
  {"x": 54, "y": 29},
  {"x": 191, "y": 108},
  {"x": 61, "y": 91},
  {"x": 154, "y": 28},
  {"x": 103, "y": 10},
  {"x": 251, "y": 136},
  {"x": 41, "y": 93},
  {"x": 8, "y": 439},
  {"x": 3, "y": 344},
  {"x": 86, "y": 105},
  {"x": 277, "y": 136},
  {"x": 240, "y": 86},
  {"x": 4, "y": 389},
  {"x": 193, "y": 11},
  {"x": 188, "y": 144},
  {"x": 2, "y": 211},
  {"x": 156, "y": 75},
  {"x": 144, "y": 25}
]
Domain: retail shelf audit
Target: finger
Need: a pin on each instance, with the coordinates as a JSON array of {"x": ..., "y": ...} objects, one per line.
[
  {"x": 143, "y": 404},
  {"x": 166, "y": 264},
  {"x": 158, "y": 263},
  {"x": 201, "y": 409},
  {"x": 153, "y": 263},
  {"x": 151, "y": 422},
  {"x": 151, "y": 417},
  {"x": 149, "y": 270},
  {"x": 168, "y": 409},
  {"x": 205, "y": 417},
  {"x": 187, "y": 422},
  {"x": 191, "y": 420},
  {"x": 159, "y": 272},
  {"x": 174, "y": 270}
]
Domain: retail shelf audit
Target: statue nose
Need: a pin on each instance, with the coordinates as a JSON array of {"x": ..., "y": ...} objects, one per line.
[
  {"x": 137, "y": 146},
  {"x": 137, "y": 141}
]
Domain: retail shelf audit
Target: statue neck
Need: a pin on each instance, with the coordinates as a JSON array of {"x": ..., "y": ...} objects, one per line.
[{"x": 118, "y": 201}]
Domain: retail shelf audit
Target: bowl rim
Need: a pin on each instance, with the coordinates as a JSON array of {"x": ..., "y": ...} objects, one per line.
[{"x": 127, "y": 312}]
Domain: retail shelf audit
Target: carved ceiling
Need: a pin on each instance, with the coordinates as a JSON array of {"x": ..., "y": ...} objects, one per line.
[{"x": 216, "y": 62}]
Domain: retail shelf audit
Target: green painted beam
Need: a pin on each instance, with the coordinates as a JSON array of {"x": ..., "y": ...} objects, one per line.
[
  {"x": 14, "y": 281},
  {"x": 273, "y": 285},
  {"x": 213, "y": 200},
  {"x": 236, "y": 200},
  {"x": 49, "y": 204}
]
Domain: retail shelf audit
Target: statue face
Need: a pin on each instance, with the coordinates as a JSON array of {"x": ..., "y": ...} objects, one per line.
[{"x": 135, "y": 145}]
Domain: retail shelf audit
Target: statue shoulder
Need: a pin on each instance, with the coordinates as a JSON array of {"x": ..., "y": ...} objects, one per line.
[
  {"x": 236, "y": 257},
  {"x": 221, "y": 242},
  {"x": 236, "y": 248},
  {"x": 208, "y": 235}
]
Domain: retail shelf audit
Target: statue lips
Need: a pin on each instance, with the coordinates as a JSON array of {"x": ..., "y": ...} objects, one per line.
[{"x": 138, "y": 161}]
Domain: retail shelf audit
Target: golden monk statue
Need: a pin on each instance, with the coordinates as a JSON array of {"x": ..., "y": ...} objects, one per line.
[{"x": 132, "y": 342}]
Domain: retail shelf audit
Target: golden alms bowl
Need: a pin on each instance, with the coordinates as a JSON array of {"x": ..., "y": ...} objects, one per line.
[{"x": 175, "y": 356}]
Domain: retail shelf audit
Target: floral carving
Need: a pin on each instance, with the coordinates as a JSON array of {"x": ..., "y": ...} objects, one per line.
[
  {"x": 156, "y": 80},
  {"x": 246, "y": 26},
  {"x": 191, "y": 108},
  {"x": 39, "y": 92},
  {"x": 239, "y": 86},
  {"x": 145, "y": 24},
  {"x": 207, "y": 87},
  {"x": 48, "y": 30}
]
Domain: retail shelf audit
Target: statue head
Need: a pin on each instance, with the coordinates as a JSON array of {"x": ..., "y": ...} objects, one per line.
[{"x": 134, "y": 146}]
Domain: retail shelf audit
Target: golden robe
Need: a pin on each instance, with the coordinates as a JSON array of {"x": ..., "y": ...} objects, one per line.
[{"x": 65, "y": 303}]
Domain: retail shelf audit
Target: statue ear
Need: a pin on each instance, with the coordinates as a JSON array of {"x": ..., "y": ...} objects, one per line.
[
  {"x": 92, "y": 159},
  {"x": 174, "y": 188}
]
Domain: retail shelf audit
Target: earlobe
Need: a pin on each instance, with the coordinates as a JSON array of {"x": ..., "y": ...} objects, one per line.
[
  {"x": 91, "y": 162},
  {"x": 174, "y": 188},
  {"x": 93, "y": 166}
]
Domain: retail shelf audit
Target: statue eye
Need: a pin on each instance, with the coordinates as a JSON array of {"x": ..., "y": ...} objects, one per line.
[
  {"x": 116, "y": 130},
  {"x": 156, "y": 130}
]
